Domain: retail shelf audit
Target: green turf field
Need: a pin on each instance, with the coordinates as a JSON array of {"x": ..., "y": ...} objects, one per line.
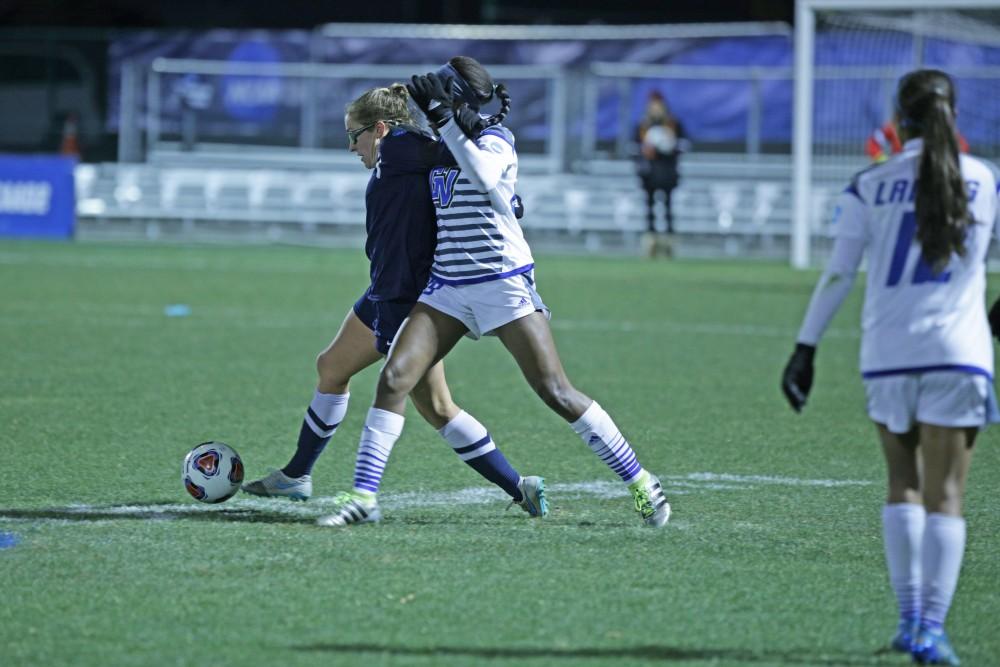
[{"x": 773, "y": 555}]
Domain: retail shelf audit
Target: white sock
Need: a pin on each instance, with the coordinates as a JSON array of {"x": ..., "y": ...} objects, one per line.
[
  {"x": 473, "y": 444},
  {"x": 325, "y": 413},
  {"x": 943, "y": 548},
  {"x": 382, "y": 429},
  {"x": 603, "y": 437},
  {"x": 322, "y": 418},
  {"x": 467, "y": 436},
  {"x": 903, "y": 533}
]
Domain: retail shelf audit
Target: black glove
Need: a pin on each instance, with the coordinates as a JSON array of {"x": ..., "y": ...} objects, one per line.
[
  {"x": 428, "y": 89},
  {"x": 995, "y": 318},
  {"x": 797, "y": 379},
  {"x": 469, "y": 120},
  {"x": 517, "y": 206}
]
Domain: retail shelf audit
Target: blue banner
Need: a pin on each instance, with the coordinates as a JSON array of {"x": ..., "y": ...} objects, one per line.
[
  {"x": 261, "y": 108},
  {"x": 37, "y": 196}
]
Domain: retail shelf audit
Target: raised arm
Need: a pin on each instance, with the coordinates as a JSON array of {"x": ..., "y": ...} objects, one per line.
[{"x": 484, "y": 160}]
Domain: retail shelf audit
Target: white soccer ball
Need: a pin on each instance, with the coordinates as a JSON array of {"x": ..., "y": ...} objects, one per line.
[
  {"x": 661, "y": 138},
  {"x": 212, "y": 472}
]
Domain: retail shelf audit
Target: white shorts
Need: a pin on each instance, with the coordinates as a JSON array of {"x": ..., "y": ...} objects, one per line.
[
  {"x": 954, "y": 399},
  {"x": 484, "y": 307}
]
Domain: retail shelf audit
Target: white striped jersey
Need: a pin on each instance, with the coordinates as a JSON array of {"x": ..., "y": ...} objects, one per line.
[
  {"x": 478, "y": 235},
  {"x": 913, "y": 319}
]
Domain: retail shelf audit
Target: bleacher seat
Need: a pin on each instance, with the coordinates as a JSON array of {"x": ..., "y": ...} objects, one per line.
[{"x": 719, "y": 196}]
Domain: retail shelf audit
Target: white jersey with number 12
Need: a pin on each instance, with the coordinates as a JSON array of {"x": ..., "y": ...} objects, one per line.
[{"x": 916, "y": 319}]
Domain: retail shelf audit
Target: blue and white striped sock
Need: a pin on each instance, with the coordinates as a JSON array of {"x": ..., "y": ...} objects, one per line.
[
  {"x": 600, "y": 433},
  {"x": 473, "y": 444},
  {"x": 382, "y": 429},
  {"x": 321, "y": 421}
]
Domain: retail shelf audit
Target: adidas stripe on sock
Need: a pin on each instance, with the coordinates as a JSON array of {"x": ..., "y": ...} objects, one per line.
[
  {"x": 382, "y": 429},
  {"x": 597, "y": 429}
]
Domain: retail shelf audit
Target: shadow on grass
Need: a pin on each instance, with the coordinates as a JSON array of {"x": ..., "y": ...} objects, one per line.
[
  {"x": 625, "y": 653},
  {"x": 147, "y": 511},
  {"x": 153, "y": 511}
]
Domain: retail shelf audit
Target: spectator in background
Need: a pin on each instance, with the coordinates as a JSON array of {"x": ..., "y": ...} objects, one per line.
[
  {"x": 661, "y": 141},
  {"x": 885, "y": 142}
]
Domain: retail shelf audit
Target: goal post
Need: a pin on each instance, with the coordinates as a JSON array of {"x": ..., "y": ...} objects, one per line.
[{"x": 941, "y": 22}]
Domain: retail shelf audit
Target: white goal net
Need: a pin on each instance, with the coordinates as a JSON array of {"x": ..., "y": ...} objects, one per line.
[{"x": 850, "y": 55}]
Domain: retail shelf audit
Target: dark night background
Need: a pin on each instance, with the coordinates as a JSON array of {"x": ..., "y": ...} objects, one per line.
[
  {"x": 39, "y": 37},
  {"x": 308, "y": 13}
]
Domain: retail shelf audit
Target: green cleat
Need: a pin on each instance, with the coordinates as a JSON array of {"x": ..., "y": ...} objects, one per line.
[
  {"x": 353, "y": 508},
  {"x": 649, "y": 500}
]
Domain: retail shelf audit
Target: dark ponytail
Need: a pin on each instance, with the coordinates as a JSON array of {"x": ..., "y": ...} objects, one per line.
[
  {"x": 482, "y": 87},
  {"x": 504, "y": 97},
  {"x": 926, "y": 102}
]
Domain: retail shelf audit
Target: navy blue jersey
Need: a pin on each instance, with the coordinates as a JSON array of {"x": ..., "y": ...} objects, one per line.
[{"x": 401, "y": 220}]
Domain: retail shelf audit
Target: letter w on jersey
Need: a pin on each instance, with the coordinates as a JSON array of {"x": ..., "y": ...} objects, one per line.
[{"x": 443, "y": 185}]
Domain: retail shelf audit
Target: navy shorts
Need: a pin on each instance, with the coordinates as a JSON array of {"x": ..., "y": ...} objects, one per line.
[{"x": 383, "y": 317}]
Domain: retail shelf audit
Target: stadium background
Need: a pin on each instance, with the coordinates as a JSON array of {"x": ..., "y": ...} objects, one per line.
[
  {"x": 188, "y": 297},
  {"x": 222, "y": 121}
]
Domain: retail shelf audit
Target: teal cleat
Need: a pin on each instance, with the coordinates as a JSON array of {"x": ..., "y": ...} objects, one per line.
[
  {"x": 931, "y": 647},
  {"x": 533, "y": 494}
]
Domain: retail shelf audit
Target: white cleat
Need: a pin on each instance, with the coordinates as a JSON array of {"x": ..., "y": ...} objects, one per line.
[
  {"x": 353, "y": 508},
  {"x": 279, "y": 485},
  {"x": 649, "y": 500}
]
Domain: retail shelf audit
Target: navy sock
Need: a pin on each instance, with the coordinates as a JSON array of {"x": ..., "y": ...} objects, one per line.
[
  {"x": 473, "y": 444},
  {"x": 493, "y": 465},
  {"x": 321, "y": 421},
  {"x": 307, "y": 451}
]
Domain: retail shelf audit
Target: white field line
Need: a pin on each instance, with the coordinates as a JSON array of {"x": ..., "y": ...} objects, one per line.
[
  {"x": 140, "y": 315},
  {"x": 663, "y": 326},
  {"x": 479, "y": 495},
  {"x": 145, "y": 263}
]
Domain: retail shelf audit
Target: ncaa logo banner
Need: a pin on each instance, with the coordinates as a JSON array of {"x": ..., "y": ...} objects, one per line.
[{"x": 37, "y": 196}]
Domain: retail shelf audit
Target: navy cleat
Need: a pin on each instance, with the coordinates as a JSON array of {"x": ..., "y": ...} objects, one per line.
[{"x": 931, "y": 647}]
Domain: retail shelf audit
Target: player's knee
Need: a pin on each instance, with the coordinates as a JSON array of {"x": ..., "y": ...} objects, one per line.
[
  {"x": 904, "y": 493},
  {"x": 331, "y": 378},
  {"x": 322, "y": 362},
  {"x": 904, "y": 486},
  {"x": 394, "y": 381},
  {"x": 945, "y": 499}
]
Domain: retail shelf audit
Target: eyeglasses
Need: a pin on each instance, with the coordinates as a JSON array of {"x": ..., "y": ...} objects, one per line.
[{"x": 352, "y": 135}]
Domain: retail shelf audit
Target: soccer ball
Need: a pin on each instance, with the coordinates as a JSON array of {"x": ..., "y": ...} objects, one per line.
[{"x": 212, "y": 472}]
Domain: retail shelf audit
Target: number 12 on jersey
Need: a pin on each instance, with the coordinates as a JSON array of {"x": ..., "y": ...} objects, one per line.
[{"x": 922, "y": 273}]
